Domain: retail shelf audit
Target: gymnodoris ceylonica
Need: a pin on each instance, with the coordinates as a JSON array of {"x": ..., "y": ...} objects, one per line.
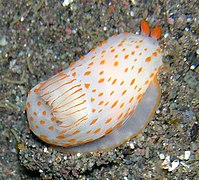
[{"x": 104, "y": 98}]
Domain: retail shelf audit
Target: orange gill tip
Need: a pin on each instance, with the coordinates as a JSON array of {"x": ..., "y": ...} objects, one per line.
[
  {"x": 156, "y": 33},
  {"x": 145, "y": 29}
]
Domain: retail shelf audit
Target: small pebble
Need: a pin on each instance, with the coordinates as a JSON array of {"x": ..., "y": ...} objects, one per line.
[
  {"x": 45, "y": 150},
  {"x": 78, "y": 154},
  {"x": 174, "y": 165},
  {"x": 161, "y": 156},
  {"x": 67, "y": 2},
  {"x": 3, "y": 41},
  {"x": 132, "y": 146},
  {"x": 187, "y": 155}
]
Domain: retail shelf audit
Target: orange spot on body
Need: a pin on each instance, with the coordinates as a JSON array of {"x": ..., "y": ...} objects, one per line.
[
  {"x": 114, "y": 81},
  {"x": 39, "y": 103},
  {"x": 74, "y": 74},
  {"x": 151, "y": 75},
  {"x": 108, "y": 131},
  {"x": 112, "y": 93},
  {"x": 120, "y": 115},
  {"x": 88, "y": 132},
  {"x": 90, "y": 64},
  {"x": 126, "y": 69},
  {"x": 139, "y": 96},
  {"x": 51, "y": 128},
  {"x": 35, "y": 113},
  {"x": 116, "y": 63},
  {"x": 43, "y": 137},
  {"x": 101, "y": 102},
  {"x": 87, "y": 85},
  {"x": 97, "y": 131},
  {"x": 82, "y": 58},
  {"x": 121, "y": 105},
  {"x": 60, "y": 137},
  {"x": 93, "y": 121},
  {"x": 131, "y": 99},
  {"x": 101, "y": 80},
  {"x": 76, "y": 132},
  {"x": 65, "y": 145},
  {"x": 139, "y": 70},
  {"x": 116, "y": 56},
  {"x": 120, "y": 44},
  {"x": 44, "y": 113},
  {"x": 72, "y": 140},
  {"x": 108, "y": 120},
  {"x": 100, "y": 94},
  {"x": 155, "y": 53},
  {"x": 103, "y": 51},
  {"x": 92, "y": 99},
  {"x": 114, "y": 104},
  {"x": 88, "y": 140},
  {"x": 102, "y": 61},
  {"x": 72, "y": 63},
  {"x": 120, "y": 124},
  {"x": 159, "y": 50},
  {"x": 100, "y": 110},
  {"x": 36, "y": 90},
  {"x": 93, "y": 57},
  {"x": 28, "y": 104},
  {"x": 121, "y": 83},
  {"x": 124, "y": 92},
  {"x": 101, "y": 72},
  {"x": 148, "y": 59},
  {"x": 105, "y": 41},
  {"x": 113, "y": 50},
  {"x": 31, "y": 118},
  {"x": 126, "y": 56},
  {"x": 42, "y": 122},
  {"x": 132, "y": 82},
  {"x": 135, "y": 87},
  {"x": 87, "y": 73},
  {"x": 146, "y": 82},
  {"x": 106, "y": 103}
]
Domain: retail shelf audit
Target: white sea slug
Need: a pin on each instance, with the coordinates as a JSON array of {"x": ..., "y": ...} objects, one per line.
[{"x": 103, "y": 99}]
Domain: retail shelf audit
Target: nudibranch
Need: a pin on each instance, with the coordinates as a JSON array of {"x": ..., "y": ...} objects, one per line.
[{"x": 104, "y": 98}]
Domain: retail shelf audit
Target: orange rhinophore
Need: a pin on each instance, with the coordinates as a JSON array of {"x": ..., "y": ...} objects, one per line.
[
  {"x": 145, "y": 30},
  {"x": 103, "y": 99}
]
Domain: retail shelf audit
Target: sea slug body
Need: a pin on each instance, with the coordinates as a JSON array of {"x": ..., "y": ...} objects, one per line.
[{"x": 104, "y": 98}]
